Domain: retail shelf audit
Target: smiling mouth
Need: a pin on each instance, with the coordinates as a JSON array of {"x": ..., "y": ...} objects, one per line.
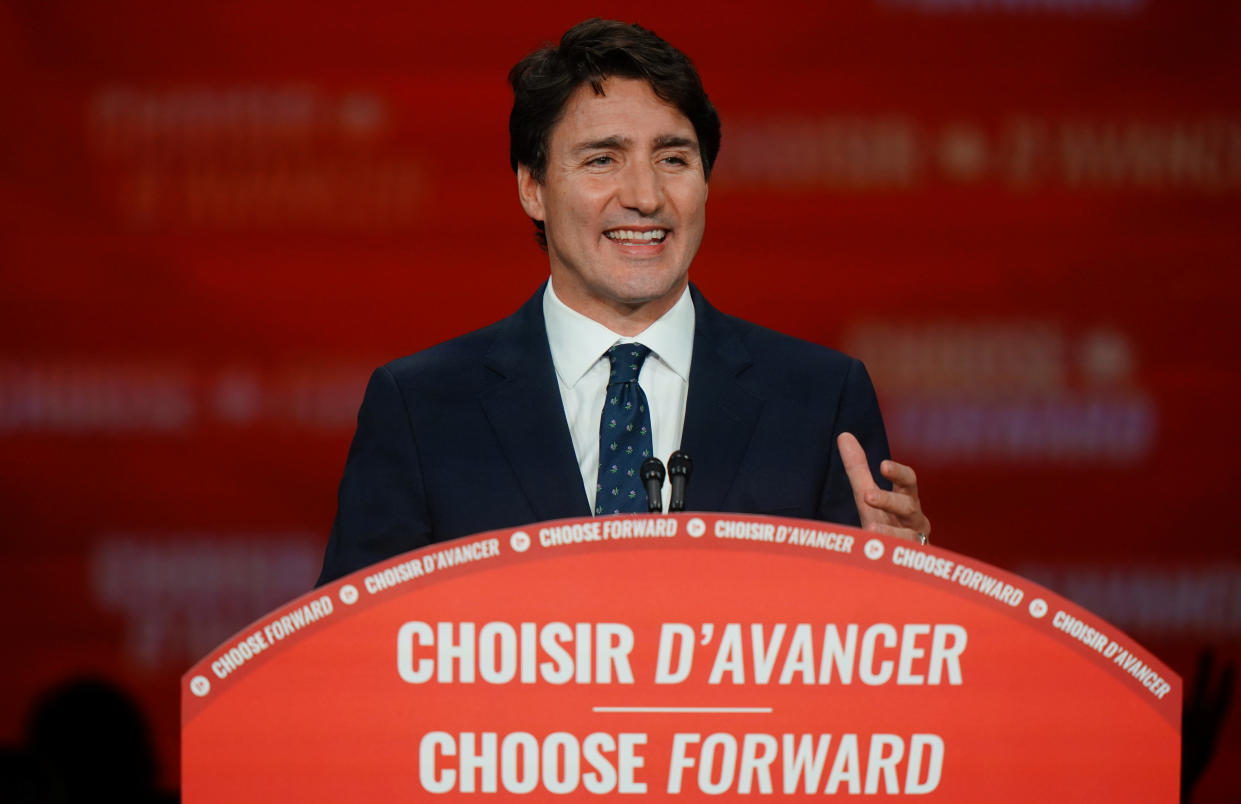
[{"x": 636, "y": 237}]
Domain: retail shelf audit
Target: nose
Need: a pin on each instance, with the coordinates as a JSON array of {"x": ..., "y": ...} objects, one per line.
[{"x": 641, "y": 188}]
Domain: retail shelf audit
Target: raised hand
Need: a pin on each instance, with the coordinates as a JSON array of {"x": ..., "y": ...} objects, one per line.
[{"x": 894, "y": 513}]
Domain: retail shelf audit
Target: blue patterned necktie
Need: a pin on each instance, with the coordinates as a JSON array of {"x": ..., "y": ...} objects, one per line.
[{"x": 624, "y": 435}]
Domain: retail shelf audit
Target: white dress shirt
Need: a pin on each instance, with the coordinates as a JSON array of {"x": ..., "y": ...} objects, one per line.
[{"x": 579, "y": 353}]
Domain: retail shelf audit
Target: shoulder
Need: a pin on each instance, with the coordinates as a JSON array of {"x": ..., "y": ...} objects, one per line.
[
  {"x": 447, "y": 358},
  {"x": 470, "y": 362},
  {"x": 769, "y": 342},
  {"x": 772, "y": 356}
]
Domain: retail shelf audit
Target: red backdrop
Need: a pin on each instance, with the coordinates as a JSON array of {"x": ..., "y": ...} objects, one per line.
[{"x": 1021, "y": 215}]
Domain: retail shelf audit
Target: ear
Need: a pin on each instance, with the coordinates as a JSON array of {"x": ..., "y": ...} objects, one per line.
[{"x": 530, "y": 193}]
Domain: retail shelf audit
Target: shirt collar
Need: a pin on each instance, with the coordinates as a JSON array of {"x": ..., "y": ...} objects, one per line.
[{"x": 578, "y": 342}]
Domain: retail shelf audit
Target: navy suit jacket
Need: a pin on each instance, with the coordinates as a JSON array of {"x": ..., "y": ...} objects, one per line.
[{"x": 470, "y": 435}]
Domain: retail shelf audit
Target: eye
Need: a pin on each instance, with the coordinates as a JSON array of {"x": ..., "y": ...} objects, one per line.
[
  {"x": 675, "y": 159},
  {"x": 602, "y": 160}
]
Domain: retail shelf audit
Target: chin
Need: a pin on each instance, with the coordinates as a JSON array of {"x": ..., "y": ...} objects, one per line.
[{"x": 647, "y": 289}]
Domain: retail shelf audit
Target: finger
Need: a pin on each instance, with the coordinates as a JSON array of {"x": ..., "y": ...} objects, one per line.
[
  {"x": 854, "y": 459},
  {"x": 905, "y": 509},
  {"x": 905, "y": 482},
  {"x": 905, "y": 534},
  {"x": 895, "y": 503},
  {"x": 903, "y": 477},
  {"x": 858, "y": 471}
]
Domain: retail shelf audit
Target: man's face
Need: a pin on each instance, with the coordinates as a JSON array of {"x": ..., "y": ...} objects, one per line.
[{"x": 623, "y": 202}]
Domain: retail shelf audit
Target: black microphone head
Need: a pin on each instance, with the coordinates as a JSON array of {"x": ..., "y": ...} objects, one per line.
[
  {"x": 679, "y": 463},
  {"x": 652, "y": 469}
]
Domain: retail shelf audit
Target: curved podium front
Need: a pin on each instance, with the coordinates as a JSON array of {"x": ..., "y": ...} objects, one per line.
[{"x": 685, "y": 657}]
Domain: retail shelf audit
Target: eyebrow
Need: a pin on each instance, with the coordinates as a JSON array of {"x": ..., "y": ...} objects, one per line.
[
  {"x": 616, "y": 141},
  {"x": 674, "y": 141},
  {"x": 596, "y": 145}
]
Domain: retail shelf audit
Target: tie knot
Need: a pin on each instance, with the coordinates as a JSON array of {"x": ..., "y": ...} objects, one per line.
[{"x": 626, "y": 361}]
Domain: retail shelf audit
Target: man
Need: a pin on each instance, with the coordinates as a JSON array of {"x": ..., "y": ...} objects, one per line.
[{"x": 547, "y": 413}]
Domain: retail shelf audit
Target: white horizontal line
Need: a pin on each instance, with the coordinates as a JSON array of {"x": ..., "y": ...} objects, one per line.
[{"x": 753, "y": 710}]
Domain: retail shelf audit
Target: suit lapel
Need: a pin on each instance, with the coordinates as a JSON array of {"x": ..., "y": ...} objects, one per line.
[
  {"x": 721, "y": 413},
  {"x": 527, "y": 415}
]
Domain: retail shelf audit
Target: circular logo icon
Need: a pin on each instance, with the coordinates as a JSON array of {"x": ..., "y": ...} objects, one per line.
[
  {"x": 873, "y": 549},
  {"x": 520, "y": 541},
  {"x": 349, "y": 594},
  {"x": 1038, "y": 607},
  {"x": 200, "y": 686},
  {"x": 696, "y": 527}
]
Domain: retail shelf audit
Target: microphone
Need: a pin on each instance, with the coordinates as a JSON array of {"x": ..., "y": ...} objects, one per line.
[
  {"x": 653, "y": 478},
  {"x": 679, "y": 467}
]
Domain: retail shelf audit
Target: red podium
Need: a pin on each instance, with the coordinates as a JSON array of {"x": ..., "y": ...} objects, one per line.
[{"x": 684, "y": 657}]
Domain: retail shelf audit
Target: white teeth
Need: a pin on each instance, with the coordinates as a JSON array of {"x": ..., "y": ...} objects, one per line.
[{"x": 628, "y": 234}]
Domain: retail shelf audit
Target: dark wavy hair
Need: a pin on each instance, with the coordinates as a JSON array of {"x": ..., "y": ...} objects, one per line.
[{"x": 592, "y": 51}]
